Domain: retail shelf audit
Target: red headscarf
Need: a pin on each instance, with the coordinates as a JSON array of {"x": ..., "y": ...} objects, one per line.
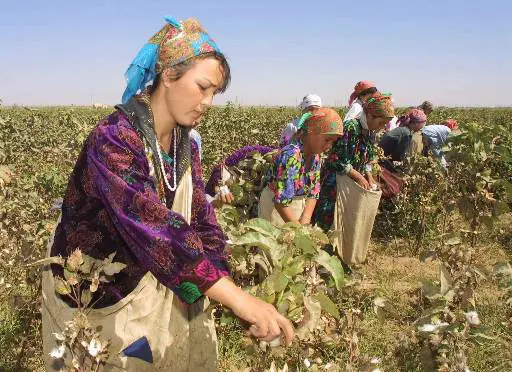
[
  {"x": 451, "y": 123},
  {"x": 359, "y": 88}
]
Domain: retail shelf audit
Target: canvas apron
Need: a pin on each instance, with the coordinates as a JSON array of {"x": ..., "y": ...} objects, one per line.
[
  {"x": 267, "y": 210},
  {"x": 181, "y": 337},
  {"x": 354, "y": 216}
]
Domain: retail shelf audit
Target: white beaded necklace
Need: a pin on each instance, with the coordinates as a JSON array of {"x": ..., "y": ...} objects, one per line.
[{"x": 159, "y": 148}]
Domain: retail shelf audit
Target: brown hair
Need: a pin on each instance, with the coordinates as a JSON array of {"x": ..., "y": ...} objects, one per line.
[{"x": 181, "y": 68}]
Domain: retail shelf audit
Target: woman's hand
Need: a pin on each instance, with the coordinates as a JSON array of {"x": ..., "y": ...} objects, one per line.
[
  {"x": 374, "y": 185},
  {"x": 305, "y": 218},
  {"x": 266, "y": 323},
  {"x": 359, "y": 178},
  {"x": 223, "y": 199}
]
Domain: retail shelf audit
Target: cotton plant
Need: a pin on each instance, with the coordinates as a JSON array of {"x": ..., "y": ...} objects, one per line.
[{"x": 79, "y": 346}]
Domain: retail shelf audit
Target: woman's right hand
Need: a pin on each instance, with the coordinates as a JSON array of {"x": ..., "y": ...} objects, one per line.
[
  {"x": 267, "y": 323},
  {"x": 359, "y": 178}
]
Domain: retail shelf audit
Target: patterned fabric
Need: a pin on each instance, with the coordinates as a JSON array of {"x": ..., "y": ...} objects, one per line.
[
  {"x": 359, "y": 88},
  {"x": 321, "y": 121},
  {"x": 355, "y": 149},
  {"x": 413, "y": 116},
  {"x": 289, "y": 179},
  {"x": 380, "y": 105},
  {"x": 175, "y": 43},
  {"x": 112, "y": 205}
]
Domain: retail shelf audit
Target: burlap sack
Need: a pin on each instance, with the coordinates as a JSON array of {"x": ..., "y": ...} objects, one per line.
[
  {"x": 181, "y": 337},
  {"x": 354, "y": 216}
]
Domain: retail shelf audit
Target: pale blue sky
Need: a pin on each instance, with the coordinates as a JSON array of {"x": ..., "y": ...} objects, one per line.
[{"x": 454, "y": 53}]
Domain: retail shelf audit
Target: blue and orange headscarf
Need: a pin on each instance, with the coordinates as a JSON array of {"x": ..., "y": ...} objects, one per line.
[
  {"x": 322, "y": 120},
  {"x": 175, "y": 43}
]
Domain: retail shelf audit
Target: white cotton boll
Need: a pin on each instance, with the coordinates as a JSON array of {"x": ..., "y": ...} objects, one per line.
[
  {"x": 375, "y": 361},
  {"x": 428, "y": 328},
  {"x": 307, "y": 363},
  {"x": 58, "y": 352},
  {"x": 94, "y": 348},
  {"x": 472, "y": 318}
]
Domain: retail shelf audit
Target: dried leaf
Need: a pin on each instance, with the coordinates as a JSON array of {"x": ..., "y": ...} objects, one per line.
[
  {"x": 74, "y": 260},
  {"x": 47, "y": 261}
]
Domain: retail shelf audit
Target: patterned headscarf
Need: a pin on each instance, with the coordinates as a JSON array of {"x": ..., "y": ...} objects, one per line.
[
  {"x": 173, "y": 44},
  {"x": 451, "y": 123},
  {"x": 323, "y": 120},
  {"x": 413, "y": 116},
  {"x": 360, "y": 88},
  {"x": 380, "y": 105}
]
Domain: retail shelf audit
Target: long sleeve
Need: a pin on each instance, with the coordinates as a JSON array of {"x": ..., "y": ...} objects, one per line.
[{"x": 160, "y": 239}]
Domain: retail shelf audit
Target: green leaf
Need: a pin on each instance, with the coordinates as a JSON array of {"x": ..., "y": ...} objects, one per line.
[
  {"x": 304, "y": 243},
  {"x": 263, "y": 226},
  {"x": 295, "y": 314},
  {"x": 333, "y": 265},
  {"x": 61, "y": 286},
  {"x": 327, "y": 305},
  {"x": 295, "y": 268},
  {"x": 86, "y": 297},
  {"x": 113, "y": 268},
  {"x": 275, "y": 283},
  {"x": 269, "y": 245}
]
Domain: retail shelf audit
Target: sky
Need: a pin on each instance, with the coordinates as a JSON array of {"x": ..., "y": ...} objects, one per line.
[{"x": 453, "y": 53}]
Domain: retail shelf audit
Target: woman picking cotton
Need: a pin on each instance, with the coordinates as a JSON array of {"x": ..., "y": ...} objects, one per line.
[
  {"x": 136, "y": 191},
  {"x": 435, "y": 136},
  {"x": 397, "y": 143},
  {"x": 349, "y": 198},
  {"x": 293, "y": 184},
  {"x": 309, "y": 103}
]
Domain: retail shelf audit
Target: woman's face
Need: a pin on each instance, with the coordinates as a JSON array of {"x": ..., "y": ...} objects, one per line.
[
  {"x": 376, "y": 122},
  {"x": 319, "y": 143},
  {"x": 188, "y": 97}
]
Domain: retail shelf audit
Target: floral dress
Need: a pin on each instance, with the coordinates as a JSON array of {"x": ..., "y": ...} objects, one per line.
[
  {"x": 288, "y": 177},
  {"x": 356, "y": 149},
  {"x": 112, "y": 204}
]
